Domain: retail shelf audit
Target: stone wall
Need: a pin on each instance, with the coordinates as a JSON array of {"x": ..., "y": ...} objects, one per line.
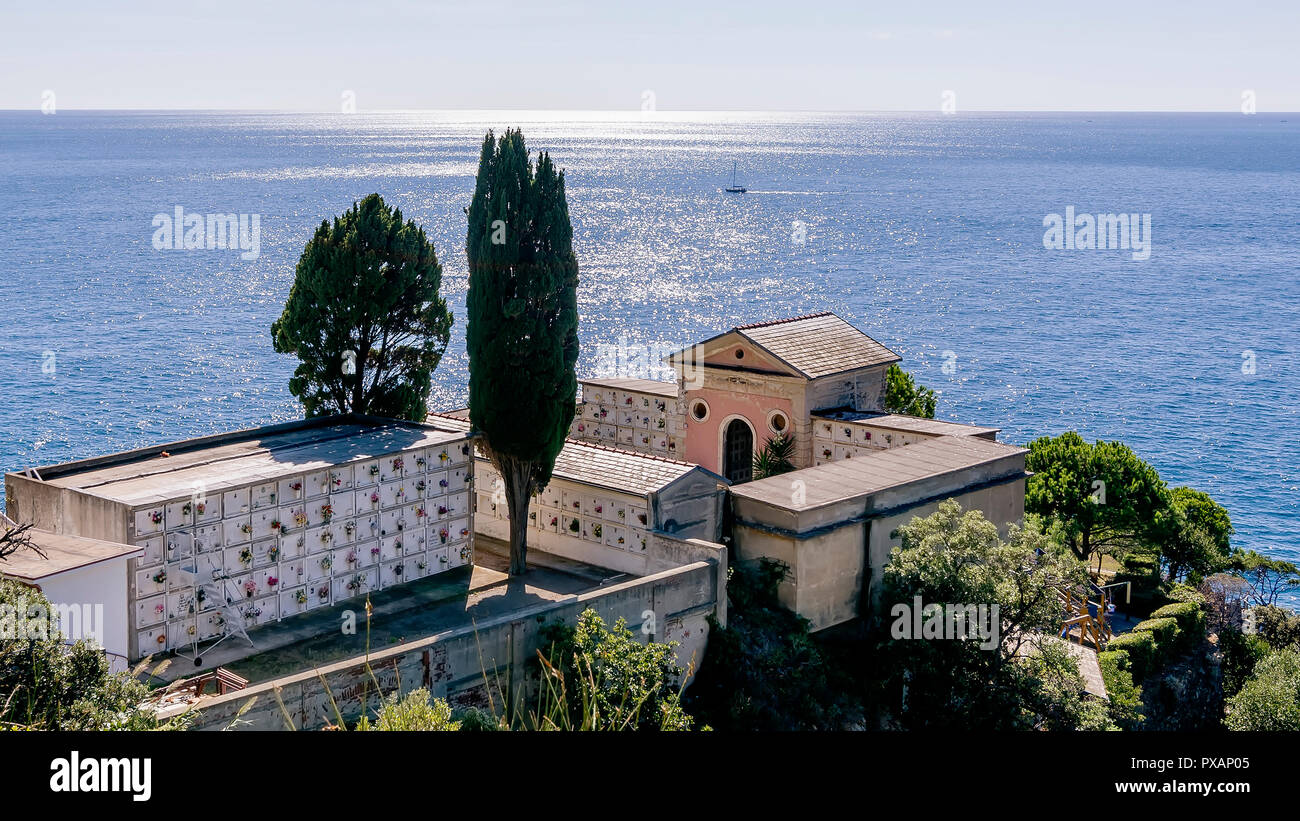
[{"x": 479, "y": 665}]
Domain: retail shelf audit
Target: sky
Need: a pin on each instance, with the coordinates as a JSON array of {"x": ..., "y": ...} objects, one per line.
[{"x": 701, "y": 55}]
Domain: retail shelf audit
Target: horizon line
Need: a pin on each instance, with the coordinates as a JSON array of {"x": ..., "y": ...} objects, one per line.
[{"x": 651, "y": 114}]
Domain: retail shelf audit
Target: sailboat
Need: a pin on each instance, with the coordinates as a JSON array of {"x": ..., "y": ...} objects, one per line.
[{"x": 735, "y": 189}]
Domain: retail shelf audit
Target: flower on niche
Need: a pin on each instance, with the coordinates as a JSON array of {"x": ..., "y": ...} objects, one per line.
[
  {"x": 156, "y": 517},
  {"x": 250, "y": 588},
  {"x": 272, "y": 581}
]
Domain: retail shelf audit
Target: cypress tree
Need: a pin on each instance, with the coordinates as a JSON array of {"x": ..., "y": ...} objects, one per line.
[
  {"x": 522, "y": 336},
  {"x": 365, "y": 316}
]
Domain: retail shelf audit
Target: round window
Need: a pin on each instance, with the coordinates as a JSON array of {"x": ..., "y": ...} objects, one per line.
[
  {"x": 740, "y": 353},
  {"x": 778, "y": 422},
  {"x": 700, "y": 410}
]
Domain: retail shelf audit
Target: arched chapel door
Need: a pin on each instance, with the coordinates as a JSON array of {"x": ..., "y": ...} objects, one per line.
[{"x": 738, "y": 452}]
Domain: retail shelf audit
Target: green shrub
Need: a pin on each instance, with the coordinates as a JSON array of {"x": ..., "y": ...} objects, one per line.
[
  {"x": 1277, "y": 626},
  {"x": 1241, "y": 653},
  {"x": 1191, "y": 621},
  {"x": 1270, "y": 700},
  {"x": 1125, "y": 696},
  {"x": 415, "y": 712},
  {"x": 1141, "y": 649},
  {"x": 1187, "y": 593},
  {"x": 1167, "y": 634}
]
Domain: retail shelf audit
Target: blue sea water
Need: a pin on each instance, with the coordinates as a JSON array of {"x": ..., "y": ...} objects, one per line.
[{"x": 926, "y": 231}]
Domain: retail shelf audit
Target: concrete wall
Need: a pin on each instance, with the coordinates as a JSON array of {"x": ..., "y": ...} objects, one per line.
[
  {"x": 473, "y": 665},
  {"x": 825, "y": 549},
  {"x": 862, "y": 389},
  {"x": 101, "y": 585}
]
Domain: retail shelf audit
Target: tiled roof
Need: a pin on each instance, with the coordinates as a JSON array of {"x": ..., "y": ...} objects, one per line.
[
  {"x": 611, "y": 468},
  {"x": 818, "y": 344},
  {"x": 62, "y": 553},
  {"x": 862, "y": 476},
  {"x": 638, "y": 473}
]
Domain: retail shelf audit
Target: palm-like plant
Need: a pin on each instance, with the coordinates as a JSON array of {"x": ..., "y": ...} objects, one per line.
[{"x": 774, "y": 458}]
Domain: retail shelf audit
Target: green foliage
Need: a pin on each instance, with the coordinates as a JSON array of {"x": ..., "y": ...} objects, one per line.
[
  {"x": 774, "y": 457},
  {"x": 1167, "y": 635},
  {"x": 765, "y": 671},
  {"x": 1191, "y": 622},
  {"x": 1241, "y": 654},
  {"x": 414, "y": 712},
  {"x": 369, "y": 284},
  {"x": 957, "y": 558},
  {"x": 1266, "y": 578},
  {"x": 1194, "y": 535},
  {"x": 1142, "y": 654},
  {"x": 600, "y": 678},
  {"x": 1186, "y": 593},
  {"x": 49, "y": 686},
  {"x": 522, "y": 337},
  {"x": 1277, "y": 626},
  {"x": 1125, "y": 696},
  {"x": 903, "y": 395},
  {"x": 1107, "y": 500},
  {"x": 1270, "y": 700}
]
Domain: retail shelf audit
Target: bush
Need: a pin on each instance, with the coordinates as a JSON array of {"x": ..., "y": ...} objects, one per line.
[
  {"x": 416, "y": 712},
  {"x": 1125, "y": 696},
  {"x": 1187, "y": 593},
  {"x": 47, "y": 685},
  {"x": 1191, "y": 621},
  {"x": 1279, "y": 627},
  {"x": 1141, "y": 649},
  {"x": 1241, "y": 654},
  {"x": 1167, "y": 634},
  {"x": 1270, "y": 701},
  {"x": 596, "y": 677}
]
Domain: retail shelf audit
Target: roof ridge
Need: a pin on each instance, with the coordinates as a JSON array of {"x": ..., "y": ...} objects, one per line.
[{"x": 783, "y": 321}]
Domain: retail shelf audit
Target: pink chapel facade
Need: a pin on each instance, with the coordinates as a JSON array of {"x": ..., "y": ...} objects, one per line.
[{"x": 861, "y": 471}]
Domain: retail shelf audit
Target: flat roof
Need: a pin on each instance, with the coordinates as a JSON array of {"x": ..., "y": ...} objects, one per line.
[
  {"x": 912, "y": 424},
  {"x": 848, "y": 479},
  {"x": 162, "y": 472},
  {"x": 665, "y": 389},
  {"x": 612, "y": 468},
  {"x": 62, "y": 553}
]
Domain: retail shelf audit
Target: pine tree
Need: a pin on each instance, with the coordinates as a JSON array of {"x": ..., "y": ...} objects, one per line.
[
  {"x": 365, "y": 316},
  {"x": 522, "y": 336}
]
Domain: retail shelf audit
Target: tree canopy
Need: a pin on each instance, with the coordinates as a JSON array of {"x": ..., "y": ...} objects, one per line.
[
  {"x": 903, "y": 395},
  {"x": 1106, "y": 499},
  {"x": 523, "y": 321},
  {"x": 1024, "y": 679},
  {"x": 364, "y": 316}
]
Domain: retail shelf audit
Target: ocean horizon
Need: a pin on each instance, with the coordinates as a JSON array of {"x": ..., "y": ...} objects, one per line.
[{"x": 926, "y": 231}]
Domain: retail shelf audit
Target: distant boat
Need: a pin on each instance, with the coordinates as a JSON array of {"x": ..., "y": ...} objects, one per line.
[{"x": 735, "y": 189}]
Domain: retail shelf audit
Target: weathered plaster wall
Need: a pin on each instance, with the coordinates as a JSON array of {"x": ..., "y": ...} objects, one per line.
[{"x": 474, "y": 665}]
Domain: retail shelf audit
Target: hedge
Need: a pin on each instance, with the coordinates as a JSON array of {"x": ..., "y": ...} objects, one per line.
[
  {"x": 1141, "y": 650},
  {"x": 1186, "y": 593},
  {"x": 1167, "y": 634},
  {"x": 1125, "y": 696},
  {"x": 1190, "y": 618}
]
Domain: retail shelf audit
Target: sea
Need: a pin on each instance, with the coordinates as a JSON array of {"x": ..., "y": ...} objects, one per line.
[{"x": 929, "y": 232}]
